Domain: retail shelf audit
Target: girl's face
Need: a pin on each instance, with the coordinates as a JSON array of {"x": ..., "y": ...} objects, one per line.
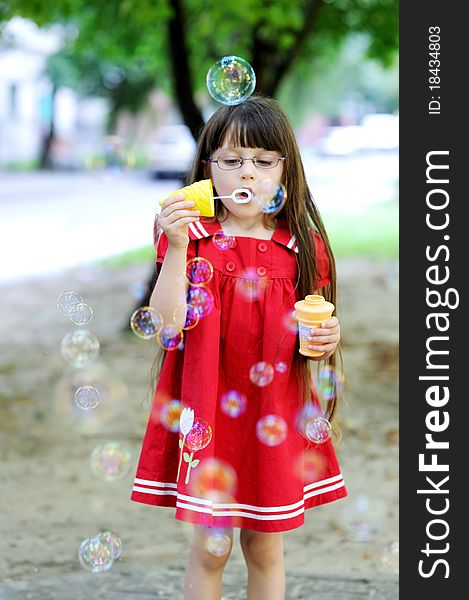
[{"x": 246, "y": 176}]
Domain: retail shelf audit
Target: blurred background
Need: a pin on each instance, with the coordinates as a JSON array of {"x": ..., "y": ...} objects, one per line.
[{"x": 100, "y": 107}]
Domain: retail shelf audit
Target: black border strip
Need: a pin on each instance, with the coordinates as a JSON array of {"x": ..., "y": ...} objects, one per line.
[{"x": 433, "y": 232}]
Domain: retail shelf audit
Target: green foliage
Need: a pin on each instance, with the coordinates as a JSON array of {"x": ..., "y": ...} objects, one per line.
[
  {"x": 374, "y": 233},
  {"x": 133, "y": 34}
]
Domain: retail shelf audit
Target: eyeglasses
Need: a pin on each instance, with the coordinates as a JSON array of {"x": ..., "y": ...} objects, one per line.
[{"x": 231, "y": 163}]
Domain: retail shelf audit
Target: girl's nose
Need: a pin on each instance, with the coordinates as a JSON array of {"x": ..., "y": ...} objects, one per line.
[{"x": 248, "y": 170}]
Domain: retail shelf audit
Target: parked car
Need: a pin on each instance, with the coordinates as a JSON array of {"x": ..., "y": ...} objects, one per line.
[{"x": 171, "y": 152}]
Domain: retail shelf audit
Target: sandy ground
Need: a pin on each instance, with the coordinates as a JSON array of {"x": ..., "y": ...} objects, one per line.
[{"x": 51, "y": 498}]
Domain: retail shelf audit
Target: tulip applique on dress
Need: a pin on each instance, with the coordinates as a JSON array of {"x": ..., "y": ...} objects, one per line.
[{"x": 196, "y": 435}]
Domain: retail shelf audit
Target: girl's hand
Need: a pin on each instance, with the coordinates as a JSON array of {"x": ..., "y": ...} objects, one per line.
[
  {"x": 174, "y": 218},
  {"x": 328, "y": 335}
]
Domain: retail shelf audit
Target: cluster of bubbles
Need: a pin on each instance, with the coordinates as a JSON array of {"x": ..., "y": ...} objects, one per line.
[
  {"x": 71, "y": 304},
  {"x": 110, "y": 159},
  {"x": 98, "y": 553},
  {"x": 270, "y": 197},
  {"x": 231, "y": 80},
  {"x": 271, "y": 430},
  {"x": 214, "y": 480},
  {"x": 110, "y": 461},
  {"x": 362, "y": 518},
  {"x": 147, "y": 323}
]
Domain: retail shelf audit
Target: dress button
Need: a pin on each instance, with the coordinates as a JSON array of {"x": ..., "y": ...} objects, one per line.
[
  {"x": 262, "y": 247},
  {"x": 261, "y": 271},
  {"x": 230, "y": 266}
]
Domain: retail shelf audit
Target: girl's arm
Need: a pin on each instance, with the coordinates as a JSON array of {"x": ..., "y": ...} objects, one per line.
[{"x": 171, "y": 287}]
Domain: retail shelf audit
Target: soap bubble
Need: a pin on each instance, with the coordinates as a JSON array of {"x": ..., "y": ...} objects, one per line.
[
  {"x": 111, "y": 540},
  {"x": 223, "y": 241},
  {"x": 261, "y": 373},
  {"x": 146, "y": 322},
  {"x": 362, "y": 517},
  {"x": 170, "y": 337},
  {"x": 233, "y": 403},
  {"x": 186, "y": 317},
  {"x": 67, "y": 302},
  {"x": 307, "y": 414},
  {"x": 110, "y": 461},
  {"x": 281, "y": 367},
  {"x": 170, "y": 414},
  {"x": 199, "y": 271},
  {"x": 138, "y": 289},
  {"x": 82, "y": 314},
  {"x": 95, "y": 555},
  {"x": 109, "y": 159},
  {"x": 80, "y": 347},
  {"x": 218, "y": 542},
  {"x": 87, "y": 397},
  {"x": 214, "y": 480},
  {"x": 290, "y": 322},
  {"x": 202, "y": 299},
  {"x": 199, "y": 436},
  {"x": 389, "y": 559},
  {"x": 270, "y": 196},
  {"x": 318, "y": 430},
  {"x": 271, "y": 430},
  {"x": 231, "y": 80},
  {"x": 310, "y": 466},
  {"x": 329, "y": 382},
  {"x": 250, "y": 285}
]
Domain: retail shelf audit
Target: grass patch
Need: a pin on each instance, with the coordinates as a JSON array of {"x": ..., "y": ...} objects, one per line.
[
  {"x": 374, "y": 233},
  {"x": 139, "y": 255}
]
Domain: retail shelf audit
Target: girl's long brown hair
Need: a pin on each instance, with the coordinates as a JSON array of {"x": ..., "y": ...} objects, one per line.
[{"x": 259, "y": 122}]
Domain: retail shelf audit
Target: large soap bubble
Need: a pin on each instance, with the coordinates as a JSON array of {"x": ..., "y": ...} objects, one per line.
[{"x": 231, "y": 80}]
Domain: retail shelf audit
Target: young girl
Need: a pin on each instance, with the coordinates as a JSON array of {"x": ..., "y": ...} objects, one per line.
[{"x": 238, "y": 457}]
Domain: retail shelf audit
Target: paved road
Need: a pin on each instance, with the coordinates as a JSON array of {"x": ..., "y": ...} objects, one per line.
[
  {"x": 123, "y": 583},
  {"x": 53, "y": 221}
]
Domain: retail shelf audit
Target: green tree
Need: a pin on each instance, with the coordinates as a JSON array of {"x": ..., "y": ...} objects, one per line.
[{"x": 174, "y": 42}]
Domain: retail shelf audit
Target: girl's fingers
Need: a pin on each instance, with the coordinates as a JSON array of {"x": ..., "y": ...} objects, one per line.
[
  {"x": 179, "y": 214},
  {"x": 325, "y": 339},
  {"x": 322, "y": 347},
  {"x": 172, "y": 200},
  {"x": 183, "y": 221},
  {"x": 177, "y": 205},
  {"x": 324, "y": 332}
]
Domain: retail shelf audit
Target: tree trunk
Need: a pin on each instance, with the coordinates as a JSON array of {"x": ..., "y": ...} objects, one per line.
[
  {"x": 184, "y": 89},
  {"x": 45, "y": 161}
]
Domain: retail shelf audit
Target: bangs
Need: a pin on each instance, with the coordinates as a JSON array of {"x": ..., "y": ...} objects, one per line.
[{"x": 242, "y": 127}]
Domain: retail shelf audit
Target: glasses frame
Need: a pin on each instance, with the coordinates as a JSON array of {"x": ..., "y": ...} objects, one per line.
[{"x": 215, "y": 160}]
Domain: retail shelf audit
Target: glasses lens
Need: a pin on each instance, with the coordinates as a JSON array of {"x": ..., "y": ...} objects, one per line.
[
  {"x": 266, "y": 161},
  {"x": 229, "y": 162}
]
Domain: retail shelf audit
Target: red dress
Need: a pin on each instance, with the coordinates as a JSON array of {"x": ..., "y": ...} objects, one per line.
[{"x": 247, "y": 464}]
